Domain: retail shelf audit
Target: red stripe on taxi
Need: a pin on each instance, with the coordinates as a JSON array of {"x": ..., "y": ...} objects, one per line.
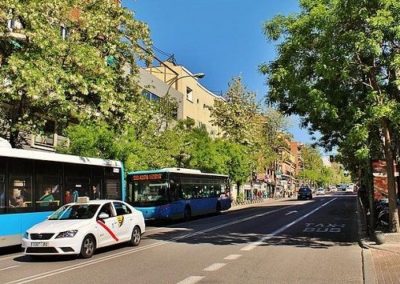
[{"x": 108, "y": 230}]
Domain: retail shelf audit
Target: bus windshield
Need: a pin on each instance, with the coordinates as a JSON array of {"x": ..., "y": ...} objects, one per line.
[{"x": 150, "y": 192}]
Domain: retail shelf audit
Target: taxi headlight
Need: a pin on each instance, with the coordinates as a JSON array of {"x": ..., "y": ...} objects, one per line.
[
  {"x": 67, "y": 234},
  {"x": 26, "y": 235}
]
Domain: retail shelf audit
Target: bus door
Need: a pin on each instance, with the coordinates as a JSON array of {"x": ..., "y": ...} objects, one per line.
[
  {"x": 96, "y": 189},
  {"x": 175, "y": 198},
  {"x": 190, "y": 194}
]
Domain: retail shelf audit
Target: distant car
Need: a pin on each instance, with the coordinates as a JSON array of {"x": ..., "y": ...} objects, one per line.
[
  {"x": 304, "y": 193},
  {"x": 320, "y": 191},
  {"x": 82, "y": 227}
]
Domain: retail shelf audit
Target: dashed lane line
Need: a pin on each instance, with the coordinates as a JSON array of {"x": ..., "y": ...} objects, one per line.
[
  {"x": 10, "y": 267},
  {"x": 214, "y": 267},
  {"x": 233, "y": 256},
  {"x": 191, "y": 280}
]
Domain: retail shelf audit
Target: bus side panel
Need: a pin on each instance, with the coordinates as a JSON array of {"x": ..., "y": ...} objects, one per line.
[
  {"x": 198, "y": 206},
  {"x": 170, "y": 211},
  {"x": 178, "y": 209},
  {"x": 225, "y": 202},
  {"x": 13, "y": 226}
]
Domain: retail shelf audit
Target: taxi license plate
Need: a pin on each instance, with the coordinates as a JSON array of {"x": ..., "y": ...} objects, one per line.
[{"x": 39, "y": 244}]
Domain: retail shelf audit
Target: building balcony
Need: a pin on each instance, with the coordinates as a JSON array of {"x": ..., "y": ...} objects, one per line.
[{"x": 47, "y": 142}]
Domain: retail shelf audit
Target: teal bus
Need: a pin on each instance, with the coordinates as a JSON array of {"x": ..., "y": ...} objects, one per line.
[{"x": 177, "y": 193}]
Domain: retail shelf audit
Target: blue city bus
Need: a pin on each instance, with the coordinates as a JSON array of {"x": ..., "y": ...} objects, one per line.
[
  {"x": 35, "y": 183},
  {"x": 177, "y": 193}
]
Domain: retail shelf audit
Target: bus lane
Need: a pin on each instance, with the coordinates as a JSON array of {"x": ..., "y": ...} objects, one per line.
[{"x": 322, "y": 247}]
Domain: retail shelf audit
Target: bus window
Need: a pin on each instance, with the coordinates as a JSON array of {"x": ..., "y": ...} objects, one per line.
[
  {"x": 76, "y": 180},
  {"x": 187, "y": 190},
  {"x": 173, "y": 190},
  {"x": 112, "y": 188},
  {"x": 20, "y": 193},
  {"x": 48, "y": 191},
  {"x": 96, "y": 188},
  {"x": 20, "y": 184},
  {"x": 48, "y": 185}
]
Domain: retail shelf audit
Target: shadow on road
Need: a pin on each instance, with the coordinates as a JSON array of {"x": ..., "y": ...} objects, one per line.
[{"x": 342, "y": 217}]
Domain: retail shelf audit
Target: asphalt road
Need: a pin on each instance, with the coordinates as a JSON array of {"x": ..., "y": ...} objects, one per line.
[{"x": 274, "y": 242}]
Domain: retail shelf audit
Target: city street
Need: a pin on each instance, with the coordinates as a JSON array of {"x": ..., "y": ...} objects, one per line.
[{"x": 283, "y": 241}]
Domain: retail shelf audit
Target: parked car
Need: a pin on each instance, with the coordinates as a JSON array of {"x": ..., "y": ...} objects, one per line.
[
  {"x": 82, "y": 227},
  {"x": 320, "y": 191},
  {"x": 304, "y": 193}
]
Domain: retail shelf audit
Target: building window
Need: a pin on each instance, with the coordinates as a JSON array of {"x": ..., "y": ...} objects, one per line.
[
  {"x": 150, "y": 96},
  {"x": 189, "y": 94}
]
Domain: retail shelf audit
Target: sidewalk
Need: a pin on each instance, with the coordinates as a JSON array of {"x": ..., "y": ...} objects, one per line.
[
  {"x": 381, "y": 263},
  {"x": 251, "y": 203}
]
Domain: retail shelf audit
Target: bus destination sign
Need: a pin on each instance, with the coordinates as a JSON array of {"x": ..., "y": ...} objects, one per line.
[{"x": 147, "y": 177}]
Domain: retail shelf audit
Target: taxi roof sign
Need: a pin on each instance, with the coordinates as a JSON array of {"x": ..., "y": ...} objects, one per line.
[{"x": 83, "y": 199}]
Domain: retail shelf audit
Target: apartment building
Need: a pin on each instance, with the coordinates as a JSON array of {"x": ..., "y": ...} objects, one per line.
[{"x": 194, "y": 99}]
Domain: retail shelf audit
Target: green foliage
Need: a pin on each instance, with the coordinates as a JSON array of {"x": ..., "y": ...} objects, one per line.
[
  {"x": 236, "y": 114},
  {"x": 338, "y": 68},
  {"x": 68, "y": 79},
  {"x": 91, "y": 140}
]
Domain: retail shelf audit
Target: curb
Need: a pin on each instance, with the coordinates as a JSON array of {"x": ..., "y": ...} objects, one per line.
[
  {"x": 251, "y": 204},
  {"x": 368, "y": 268}
]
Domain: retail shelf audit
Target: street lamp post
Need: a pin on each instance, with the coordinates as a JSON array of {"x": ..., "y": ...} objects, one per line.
[
  {"x": 197, "y": 75},
  {"x": 181, "y": 155}
]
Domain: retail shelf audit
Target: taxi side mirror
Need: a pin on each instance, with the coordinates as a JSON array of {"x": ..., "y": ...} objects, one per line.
[{"x": 103, "y": 215}]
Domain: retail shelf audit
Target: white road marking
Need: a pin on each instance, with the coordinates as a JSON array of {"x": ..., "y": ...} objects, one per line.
[
  {"x": 233, "y": 256},
  {"x": 10, "y": 267},
  {"x": 280, "y": 230},
  {"x": 291, "y": 212},
  {"x": 11, "y": 256},
  {"x": 131, "y": 251},
  {"x": 191, "y": 280},
  {"x": 214, "y": 267}
]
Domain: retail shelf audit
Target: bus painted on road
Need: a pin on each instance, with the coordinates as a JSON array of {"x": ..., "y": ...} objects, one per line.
[
  {"x": 177, "y": 193},
  {"x": 35, "y": 183}
]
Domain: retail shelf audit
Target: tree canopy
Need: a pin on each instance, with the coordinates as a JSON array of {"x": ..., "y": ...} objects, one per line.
[
  {"x": 68, "y": 61},
  {"x": 337, "y": 67}
]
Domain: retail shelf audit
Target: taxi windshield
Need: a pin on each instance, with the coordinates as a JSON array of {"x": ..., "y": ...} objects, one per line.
[{"x": 74, "y": 212}]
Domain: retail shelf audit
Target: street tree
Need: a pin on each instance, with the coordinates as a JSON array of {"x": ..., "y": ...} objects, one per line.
[
  {"x": 338, "y": 66},
  {"x": 68, "y": 62},
  {"x": 236, "y": 114}
]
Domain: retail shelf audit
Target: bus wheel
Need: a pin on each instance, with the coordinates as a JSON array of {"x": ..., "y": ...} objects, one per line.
[
  {"x": 187, "y": 215},
  {"x": 88, "y": 247},
  {"x": 136, "y": 236}
]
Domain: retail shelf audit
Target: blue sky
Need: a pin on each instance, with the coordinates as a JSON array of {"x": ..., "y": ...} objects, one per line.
[{"x": 221, "y": 38}]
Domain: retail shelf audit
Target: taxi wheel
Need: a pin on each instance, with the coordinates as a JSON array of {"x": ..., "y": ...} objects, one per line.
[
  {"x": 136, "y": 236},
  {"x": 88, "y": 247}
]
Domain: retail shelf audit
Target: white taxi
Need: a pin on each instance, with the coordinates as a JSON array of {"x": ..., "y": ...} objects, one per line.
[{"x": 82, "y": 227}]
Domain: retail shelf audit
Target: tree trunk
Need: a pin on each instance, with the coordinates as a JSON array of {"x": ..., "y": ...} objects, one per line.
[
  {"x": 369, "y": 182},
  {"x": 393, "y": 214},
  {"x": 237, "y": 190}
]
